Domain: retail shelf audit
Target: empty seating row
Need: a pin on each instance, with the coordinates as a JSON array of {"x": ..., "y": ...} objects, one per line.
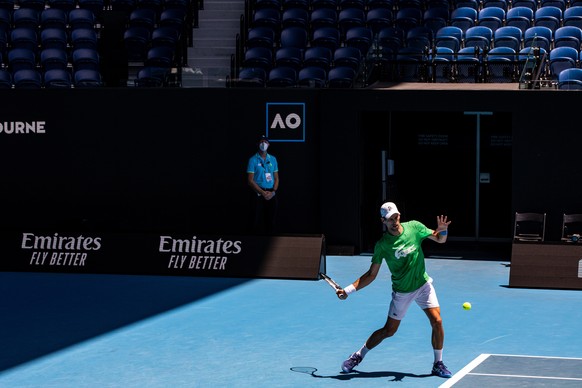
[
  {"x": 310, "y": 76},
  {"x": 49, "y": 79}
]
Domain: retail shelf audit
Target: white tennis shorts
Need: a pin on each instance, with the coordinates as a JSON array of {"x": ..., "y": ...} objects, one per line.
[{"x": 425, "y": 297}]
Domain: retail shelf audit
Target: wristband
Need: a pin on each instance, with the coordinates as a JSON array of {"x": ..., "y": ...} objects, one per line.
[
  {"x": 443, "y": 232},
  {"x": 349, "y": 289}
]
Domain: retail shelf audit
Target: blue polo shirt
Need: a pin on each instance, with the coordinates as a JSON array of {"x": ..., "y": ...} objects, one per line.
[{"x": 263, "y": 169}]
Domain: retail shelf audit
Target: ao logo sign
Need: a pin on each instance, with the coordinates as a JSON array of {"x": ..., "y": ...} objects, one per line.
[
  {"x": 292, "y": 121},
  {"x": 286, "y": 122}
]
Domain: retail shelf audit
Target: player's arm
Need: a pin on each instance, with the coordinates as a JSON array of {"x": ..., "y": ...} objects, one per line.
[
  {"x": 368, "y": 277},
  {"x": 441, "y": 232}
]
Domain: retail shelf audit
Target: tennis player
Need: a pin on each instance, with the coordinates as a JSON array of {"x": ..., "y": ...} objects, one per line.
[{"x": 401, "y": 248}]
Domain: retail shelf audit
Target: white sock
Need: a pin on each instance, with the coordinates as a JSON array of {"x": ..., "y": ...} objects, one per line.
[
  {"x": 363, "y": 351},
  {"x": 438, "y": 355}
]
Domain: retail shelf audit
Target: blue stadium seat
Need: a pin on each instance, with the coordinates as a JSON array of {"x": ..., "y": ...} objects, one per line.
[
  {"x": 341, "y": 77},
  {"x": 282, "y": 77},
  {"x": 57, "y": 79}
]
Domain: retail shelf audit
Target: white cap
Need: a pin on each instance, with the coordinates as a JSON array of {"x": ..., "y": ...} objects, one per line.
[{"x": 388, "y": 209}]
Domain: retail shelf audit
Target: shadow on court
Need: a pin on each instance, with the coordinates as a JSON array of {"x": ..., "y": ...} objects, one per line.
[
  {"x": 356, "y": 375},
  {"x": 43, "y": 313}
]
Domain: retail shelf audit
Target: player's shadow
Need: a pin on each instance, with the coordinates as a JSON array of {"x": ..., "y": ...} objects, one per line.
[{"x": 395, "y": 376}]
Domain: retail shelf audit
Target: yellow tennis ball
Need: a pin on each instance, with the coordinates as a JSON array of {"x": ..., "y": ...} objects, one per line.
[{"x": 467, "y": 306}]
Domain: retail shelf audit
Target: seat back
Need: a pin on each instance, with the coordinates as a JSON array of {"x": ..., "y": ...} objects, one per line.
[
  {"x": 571, "y": 226},
  {"x": 529, "y": 227}
]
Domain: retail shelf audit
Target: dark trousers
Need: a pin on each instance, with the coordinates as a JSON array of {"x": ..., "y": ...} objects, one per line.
[{"x": 263, "y": 214}]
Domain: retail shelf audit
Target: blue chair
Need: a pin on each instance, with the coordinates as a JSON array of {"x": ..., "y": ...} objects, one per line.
[
  {"x": 570, "y": 36},
  {"x": 347, "y": 57},
  {"x": 360, "y": 38},
  {"x": 441, "y": 68},
  {"x": 378, "y": 18},
  {"x": 282, "y": 77},
  {"x": 341, "y": 77},
  {"x": 479, "y": 36},
  {"x": 323, "y": 17},
  {"x": 295, "y": 17},
  {"x": 359, "y": 4},
  {"x": 531, "y": 4},
  {"x": 468, "y": 65},
  {"x": 494, "y": 4},
  {"x": 87, "y": 78},
  {"x": 53, "y": 58},
  {"x": 53, "y": 18},
  {"x": 143, "y": 17},
  {"x": 421, "y": 37},
  {"x": 391, "y": 37},
  {"x": 258, "y": 57},
  {"x": 529, "y": 59},
  {"x": 312, "y": 76},
  {"x": 275, "y": 4},
  {"x": 251, "y": 77},
  {"x": 570, "y": 79},
  {"x": 5, "y": 79},
  {"x": 65, "y": 5},
  {"x": 161, "y": 56},
  {"x": 260, "y": 36},
  {"x": 165, "y": 36},
  {"x": 173, "y": 17},
  {"x": 508, "y": 36},
  {"x": 85, "y": 59},
  {"x": 572, "y": 17},
  {"x": 57, "y": 79},
  {"x": 95, "y": 6},
  {"x": 407, "y": 18},
  {"x": 464, "y": 18},
  {"x": 267, "y": 17},
  {"x": 151, "y": 77},
  {"x": 410, "y": 65},
  {"x": 294, "y": 37},
  {"x": 317, "y": 4},
  {"x": 37, "y": 5},
  {"x": 389, "y": 4},
  {"x": 561, "y": 58},
  {"x": 492, "y": 17},
  {"x": 554, "y": 3},
  {"x": 289, "y": 57},
  {"x": 475, "y": 4},
  {"x": 297, "y": 4},
  {"x": 54, "y": 38},
  {"x": 326, "y": 37},
  {"x": 520, "y": 17},
  {"x": 436, "y": 18},
  {"x": 549, "y": 16},
  {"x": 501, "y": 65},
  {"x": 26, "y": 18},
  {"x": 27, "y": 79},
  {"x": 451, "y": 37},
  {"x": 136, "y": 42},
  {"x": 81, "y": 18},
  {"x": 84, "y": 38},
  {"x": 539, "y": 36},
  {"x": 318, "y": 56},
  {"x": 21, "y": 59},
  {"x": 24, "y": 37},
  {"x": 349, "y": 18}
]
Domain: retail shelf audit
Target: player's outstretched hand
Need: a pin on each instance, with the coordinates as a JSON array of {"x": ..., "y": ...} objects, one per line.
[
  {"x": 341, "y": 294},
  {"x": 442, "y": 223}
]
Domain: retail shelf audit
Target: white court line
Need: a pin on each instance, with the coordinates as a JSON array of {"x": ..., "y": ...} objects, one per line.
[
  {"x": 463, "y": 372},
  {"x": 473, "y": 364}
]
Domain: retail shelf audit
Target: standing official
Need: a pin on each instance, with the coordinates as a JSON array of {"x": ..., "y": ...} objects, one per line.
[{"x": 263, "y": 179}]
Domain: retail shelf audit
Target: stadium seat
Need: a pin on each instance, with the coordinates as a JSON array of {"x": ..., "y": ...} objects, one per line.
[
  {"x": 572, "y": 17},
  {"x": 53, "y": 58},
  {"x": 54, "y": 38},
  {"x": 378, "y": 18},
  {"x": 53, "y": 18},
  {"x": 538, "y": 36},
  {"x": 549, "y": 16},
  {"x": 318, "y": 57},
  {"x": 323, "y": 17},
  {"x": 479, "y": 36},
  {"x": 561, "y": 58},
  {"x": 312, "y": 76},
  {"x": 570, "y": 36},
  {"x": 282, "y": 77},
  {"x": 87, "y": 78},
  {"x": 294, "y": 37},
  {"x": 435, "y": 18},
  {"x": 84, "y": 38},
  {"x": 136, "y": 42},
  {"x": 21, "y": 58},
  {"x": 347, "y": 57},
  {"x": 289, "y": 57},
  {"x": 508, "y": 36},
  {"x": 326, "y": 37},
  {"x": 27, "y": 79},
  {"x": 570, "y": 79},
  {"x": 251, "y": 77},
  {"x": 258, "y": 57},
  {"x": 501, "y": 65},
  {"x": 341, "y": 77},
  {"x": 295, "y": 17},
  {"x": 463, "y": 17},
  {"x": 451, "y": 37},
  {"x": 492, "y": 17},
  {"x": 360, "y": 38},
  {"x": 57, "y": 79},
  {"x": 520, "y": 17}
]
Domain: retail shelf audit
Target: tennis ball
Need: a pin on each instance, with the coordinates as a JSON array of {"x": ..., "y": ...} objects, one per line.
[{"x": 467, "y": 306}]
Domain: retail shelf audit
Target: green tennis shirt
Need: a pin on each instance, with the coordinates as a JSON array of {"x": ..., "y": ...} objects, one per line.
[{"x": 404, "y": 256}]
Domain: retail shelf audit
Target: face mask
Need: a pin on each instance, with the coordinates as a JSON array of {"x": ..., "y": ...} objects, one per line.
[{"x": 264, "y": 146}]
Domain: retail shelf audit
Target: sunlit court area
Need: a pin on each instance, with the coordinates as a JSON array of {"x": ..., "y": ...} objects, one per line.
[{"x": 183, "y": 180}]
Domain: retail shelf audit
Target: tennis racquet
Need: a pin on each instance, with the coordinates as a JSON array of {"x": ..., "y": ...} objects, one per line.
[{"x": 330, "y": 281}]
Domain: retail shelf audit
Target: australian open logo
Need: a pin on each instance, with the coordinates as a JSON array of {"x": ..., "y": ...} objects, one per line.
[{"x": 286, "y": 121}]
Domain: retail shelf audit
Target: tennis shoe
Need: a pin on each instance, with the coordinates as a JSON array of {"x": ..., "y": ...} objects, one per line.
[
  {"x": 352, "y": 362},
  {"x": 439, "y": 369}
]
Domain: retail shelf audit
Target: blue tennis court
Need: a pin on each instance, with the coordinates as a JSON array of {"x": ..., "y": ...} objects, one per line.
[{"x": 64, "y": 330}]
